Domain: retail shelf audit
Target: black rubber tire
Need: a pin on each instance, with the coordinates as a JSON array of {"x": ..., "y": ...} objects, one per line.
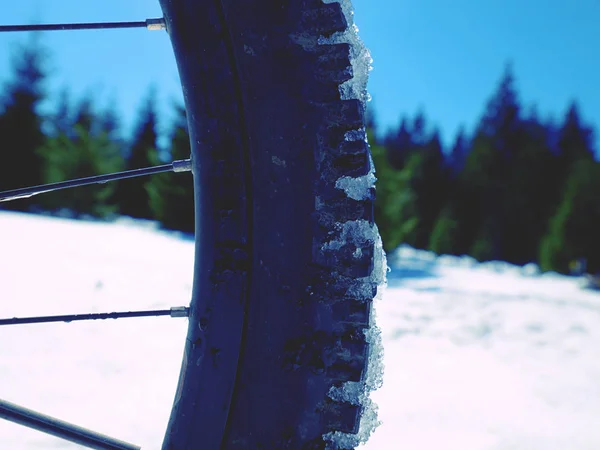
[{"x": 287, "y": 261}]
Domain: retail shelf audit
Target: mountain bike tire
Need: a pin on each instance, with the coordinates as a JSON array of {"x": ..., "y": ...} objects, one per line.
[{"x": 282, "y": 348}]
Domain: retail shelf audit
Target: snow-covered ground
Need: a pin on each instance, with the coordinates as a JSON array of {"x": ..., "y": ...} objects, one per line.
[
  {"x": 477, "y": 356},
  {"x": 487, "y": 356}
]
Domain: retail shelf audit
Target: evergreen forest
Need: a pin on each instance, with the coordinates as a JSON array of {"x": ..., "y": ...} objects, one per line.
[{"x": 516, "y": 188}]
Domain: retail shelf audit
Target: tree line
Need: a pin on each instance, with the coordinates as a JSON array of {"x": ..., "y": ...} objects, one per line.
[
  {"x": 78, "y": 140},
  {"x": 517, "y": 188}
]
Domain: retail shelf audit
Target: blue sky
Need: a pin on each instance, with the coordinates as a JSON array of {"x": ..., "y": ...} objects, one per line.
[{"x": 442, "y": 56}]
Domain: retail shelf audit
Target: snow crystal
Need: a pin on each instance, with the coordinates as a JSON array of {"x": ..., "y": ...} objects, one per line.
[
  {"x": 360, "y": 57},
  {"x": 357, "y": 232},
  {"x": 380, "y": 266},
  {"x": 354, "y": 392},
  {"x": 356, "y": 135},
  {"x": 357, "y": 188}
]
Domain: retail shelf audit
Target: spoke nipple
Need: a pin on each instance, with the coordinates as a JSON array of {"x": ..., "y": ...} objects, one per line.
[
  {"x": 184, "y": 165},
  {"x": 156, "y": 24},
  {"x": 180, "y": 311}
]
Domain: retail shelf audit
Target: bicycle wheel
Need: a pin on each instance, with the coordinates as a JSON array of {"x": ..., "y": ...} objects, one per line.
[{"x": 288, "y": 258}]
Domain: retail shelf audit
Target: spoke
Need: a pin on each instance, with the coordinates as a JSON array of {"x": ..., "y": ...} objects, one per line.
[
  {"x": 149, "y": 24},
  {"x": 61, "y": 429},
  {"x": 184, "y": 165},
  {"x": 176, "y": 311}
]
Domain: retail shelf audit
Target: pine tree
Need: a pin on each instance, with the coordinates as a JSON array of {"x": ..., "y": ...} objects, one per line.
[
  {"x": 61, "y": 121},
  {"x": 430, "y": 182},
  {"x": 459, "y": 152},
  {"x": 132, "y": 195},
  {"x": 575, "y": 139},
  {"x": 410, "y": 198},
  {"x": 531, "y": 194},
  {"x": 371, "y": 122},
  {"x": 20, "y": 123},
  {"x": 172, "y": 194},
  {"x": 445, "y": 232},
  {"x": 497, "y": 143},
  {"x": 574, "y": 157},
  {"x": 418, "y": 129},
  {"x": 573, "y": 231},
  {"x": 80, "y": 150},
  {"x": 110, "y": 123},
  {"x": 479, "y": 196},
  {"x": 393, "y": 200},
  {"x": 501, "y": 119},
  {"x": 574, "y": 143},
  {"x": 84, "y": 117},
  {"x": 398, "y": 145},
  {"x": 445, "y": 235}
]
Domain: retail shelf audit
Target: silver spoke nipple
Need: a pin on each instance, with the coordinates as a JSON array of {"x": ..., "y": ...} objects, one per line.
[
  {"x": 156, "y": 24},
  {"x": 180, "y": 311},
  {"x": 184, "y": 165}
]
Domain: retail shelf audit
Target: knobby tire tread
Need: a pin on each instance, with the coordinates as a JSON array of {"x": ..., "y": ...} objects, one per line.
[{"x": 281, "y": 298}]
